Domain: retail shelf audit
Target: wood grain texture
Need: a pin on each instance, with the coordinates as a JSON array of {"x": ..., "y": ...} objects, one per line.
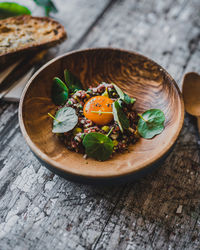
[
  {"x": 138, "y": 76},
  {"x": 41, "y": 211}
]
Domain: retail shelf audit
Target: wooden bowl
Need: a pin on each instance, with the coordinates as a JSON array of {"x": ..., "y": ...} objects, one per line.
[{"x": 138, "y": 76}]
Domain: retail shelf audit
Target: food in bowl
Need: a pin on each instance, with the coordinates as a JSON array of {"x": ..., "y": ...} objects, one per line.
[{"x": 100, "y": 121}]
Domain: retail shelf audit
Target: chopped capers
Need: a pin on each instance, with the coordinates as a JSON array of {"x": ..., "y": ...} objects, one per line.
[
  {"x": 114, "y": 136},
  {"x": 69, "y": 102},
  {"x": 76, "y": 98},
  {"x": 105, "y": 128},
  {"x": 115, "y": 142},
  {"x": 76, "y": 131}
]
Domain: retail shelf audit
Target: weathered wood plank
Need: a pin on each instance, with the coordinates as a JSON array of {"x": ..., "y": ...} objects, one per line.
[
  {"x": 41, "y": 211},
  {"x": 155, "y": 222},
  {"x": 38, "y": 199},
  {"x": 22, "y": 179},
  {"x": 169, "y": 37}
]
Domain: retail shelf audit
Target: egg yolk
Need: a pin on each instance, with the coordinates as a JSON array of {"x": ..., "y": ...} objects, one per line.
[{"x": 94, "y": 108}]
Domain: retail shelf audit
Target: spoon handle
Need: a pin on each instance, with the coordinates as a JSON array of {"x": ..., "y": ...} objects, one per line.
[{"x": 198, "y": 123}]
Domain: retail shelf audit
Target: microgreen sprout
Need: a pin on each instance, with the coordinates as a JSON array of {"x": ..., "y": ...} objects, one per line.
[{"x": 53, "y": 117}]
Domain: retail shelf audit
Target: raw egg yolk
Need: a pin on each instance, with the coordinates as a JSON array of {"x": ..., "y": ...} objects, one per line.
[{"x": 93, "y": 108}]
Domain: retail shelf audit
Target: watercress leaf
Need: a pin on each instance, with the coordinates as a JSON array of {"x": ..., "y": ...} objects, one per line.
[
  {"x": 13, "y": 9},
  {"x": 60, "y": 98},
  {"x": 123, "y": 96},
  {"x": 119, "y": 91},
  {"x": 120, "y": 102},
  {"x": 66, "y": 120},
  {"x": 128, "y": 99},
  {"x": 120, "y": 117},
  {"x": 48, "y": 5},
  {"x": 151, "y": 123},
  {"x": 98, "y": 146},
  {"x": 59, "y": 92},
  {"x": 72, "y": 82},
  {"x": 59, "y": 85}
]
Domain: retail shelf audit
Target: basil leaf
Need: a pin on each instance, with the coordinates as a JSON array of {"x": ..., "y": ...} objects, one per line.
[
  {"x": 66, "y": 120},
  {"x": 151, "y": 123},
  {"x": 48, "y": 5},
  {"x": 12, "y": 9},
  {"x": 124, "y": 97},
  {"x": 120, "y": 117},
  {"x": 98, "y": 146},
  {"x": 59, "y": 92},
  {"x": 72, "y": 82}
]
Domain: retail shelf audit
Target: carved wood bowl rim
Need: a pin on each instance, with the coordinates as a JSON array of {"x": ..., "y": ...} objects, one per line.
[{"x": 85, "y": 174}]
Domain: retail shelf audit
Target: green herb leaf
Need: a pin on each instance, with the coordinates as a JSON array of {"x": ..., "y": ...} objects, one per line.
[
  {"x": 124, "y": 97},
  {"x": 128, "y": 99},
  {"x": 98, "y": 146},
  {"x": 151, "y": 123},
  {"x": 72, "y": 82},
  {"x": 120, "y": 117},
  {"x": 65, "y": 120},
  {"x": 48, "y": 5},
  {"x": 120, "y": 102},
  {"x": 59, "y": 92},
  {"x": 12, "y": 9}
]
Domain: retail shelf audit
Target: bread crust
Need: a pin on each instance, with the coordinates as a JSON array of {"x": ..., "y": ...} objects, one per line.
[{"x": 52, "y": 27}]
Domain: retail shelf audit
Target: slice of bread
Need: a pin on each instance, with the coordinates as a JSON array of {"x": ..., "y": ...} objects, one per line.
[{"x": 22, "y": 34}]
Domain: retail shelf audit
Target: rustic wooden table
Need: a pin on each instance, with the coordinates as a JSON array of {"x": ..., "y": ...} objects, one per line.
[{"x": 39, "y": 210}]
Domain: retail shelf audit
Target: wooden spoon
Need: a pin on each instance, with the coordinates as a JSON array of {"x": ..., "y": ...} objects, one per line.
[{"x": 191, "y": 94}]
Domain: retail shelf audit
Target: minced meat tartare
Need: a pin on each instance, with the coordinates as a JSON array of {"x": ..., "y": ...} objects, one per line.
[
  {"x": 73, "y": 139},
  {"x": 100, "y": 121}
]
